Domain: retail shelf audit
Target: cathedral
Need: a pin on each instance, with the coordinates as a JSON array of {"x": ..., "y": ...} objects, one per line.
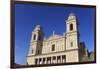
[{"x": 57, "y": 49}]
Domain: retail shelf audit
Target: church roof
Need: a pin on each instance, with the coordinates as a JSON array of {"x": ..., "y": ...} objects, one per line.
[{"x": 55, "y": 36}]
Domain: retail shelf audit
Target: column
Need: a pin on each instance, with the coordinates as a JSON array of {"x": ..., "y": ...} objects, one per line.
[
  {"x": 61, "y": 59},
  {"x": 51, "y": 60},
  {"x": 37, "y": 60},
  {"x": 45, "y": 61},
  {"x": 56, "y": 59},
  {"x": 41, "y": 60}
]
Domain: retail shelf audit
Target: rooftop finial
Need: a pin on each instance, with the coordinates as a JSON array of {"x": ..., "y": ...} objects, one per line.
[{"x": 53, "y": 32}]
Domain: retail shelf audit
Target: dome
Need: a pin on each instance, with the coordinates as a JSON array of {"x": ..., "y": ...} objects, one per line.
[
  {"x": 38, "y": 27},
  {"x": 71, "y": 14}
]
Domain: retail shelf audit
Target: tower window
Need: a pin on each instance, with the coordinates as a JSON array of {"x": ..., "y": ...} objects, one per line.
[
  {"x": 34, "y": 38},
  {"x": 71, "y": 44},
  {"x": 32, "y": 51},
  {"x": 39, "y": 38},
  {"x": 53, "y": 47},
  {"x": 71, "y": 27}
]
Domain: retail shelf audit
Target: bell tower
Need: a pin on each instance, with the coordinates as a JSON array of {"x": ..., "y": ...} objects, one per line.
[
  {"x": 72, "y": 37},
  {"x": 72, "y": 31},
  {"x": 36, "y": 44},
  {"x": 36, "y": 41}
]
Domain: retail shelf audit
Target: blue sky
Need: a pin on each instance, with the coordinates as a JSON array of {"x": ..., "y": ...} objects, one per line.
[{"x": 50, "y": 18}]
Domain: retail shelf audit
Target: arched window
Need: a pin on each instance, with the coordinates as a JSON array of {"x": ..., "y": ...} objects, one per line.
[
  {"x": 34, "y": 37},
  {"x": 71, "y": 27}
]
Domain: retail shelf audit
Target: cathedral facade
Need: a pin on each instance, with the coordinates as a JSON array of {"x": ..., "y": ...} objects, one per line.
[{"x": 56, "y": 48}]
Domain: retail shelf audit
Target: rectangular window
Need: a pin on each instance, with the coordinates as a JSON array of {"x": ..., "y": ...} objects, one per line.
[
  {"x": 71, "y": 44},
  {"x": 38, "y": 52},
  {"x": 53, "y": 47}
]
